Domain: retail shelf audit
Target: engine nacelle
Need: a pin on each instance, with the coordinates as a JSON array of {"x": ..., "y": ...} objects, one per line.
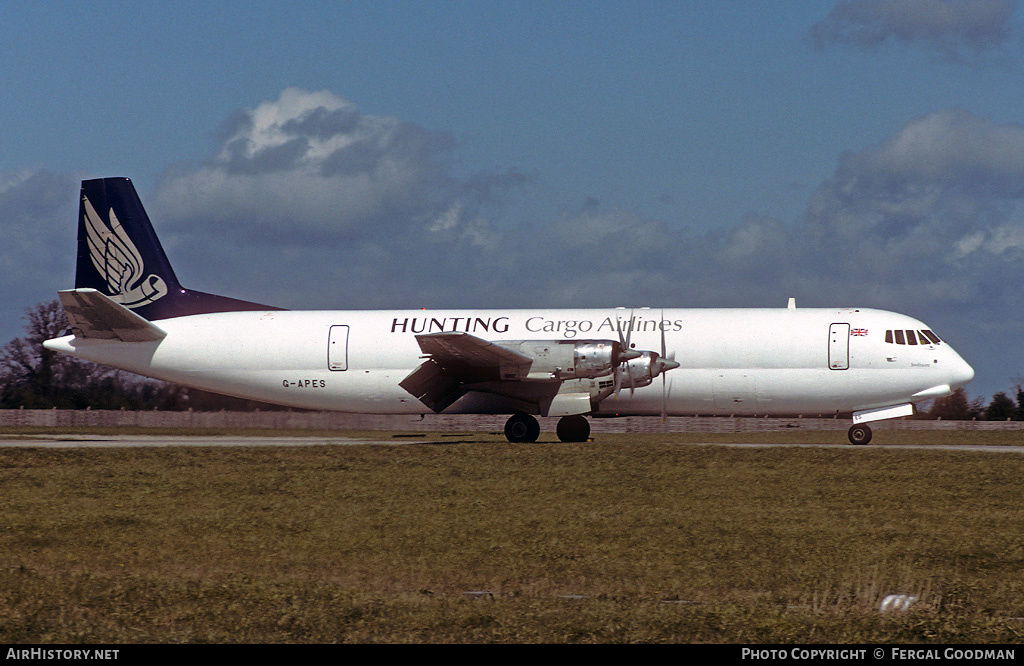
[
  {"x": 569, "y": 359},
  {"x": 640, "y": 372}
]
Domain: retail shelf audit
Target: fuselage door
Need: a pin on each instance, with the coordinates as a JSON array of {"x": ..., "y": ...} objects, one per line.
[
  {"x": 839, "y": 346},
  {"x": 337, "y": 348}
]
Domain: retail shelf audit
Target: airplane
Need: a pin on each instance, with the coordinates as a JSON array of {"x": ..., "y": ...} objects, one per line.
[{"x": 129, "y": 311}]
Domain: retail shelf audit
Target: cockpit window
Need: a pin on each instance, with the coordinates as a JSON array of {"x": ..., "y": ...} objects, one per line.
[{"x": 909, "y": 337}]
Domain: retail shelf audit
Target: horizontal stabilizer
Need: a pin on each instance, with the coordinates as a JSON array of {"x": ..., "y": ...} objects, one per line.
[{"x": 96, "y": 316}]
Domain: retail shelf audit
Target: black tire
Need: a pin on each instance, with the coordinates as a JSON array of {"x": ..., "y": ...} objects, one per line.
[
  {"x": 859, "y": 434},
  {"x": 522, "y": 428},
  {"x": 573, "y": 428}
]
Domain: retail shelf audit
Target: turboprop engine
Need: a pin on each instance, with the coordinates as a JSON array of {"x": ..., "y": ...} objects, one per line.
[
  {"x": 642, "y": 371},
  {"x": 571, "y": 359}
]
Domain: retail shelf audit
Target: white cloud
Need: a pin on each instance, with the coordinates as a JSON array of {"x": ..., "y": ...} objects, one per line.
[
  {"x": 310, "y": 168},
  {"x": 968, "y": 244},
  {"x": 944, "y": 174},
  {"x": 953, "y": 28},
  {"x": 373, "y": 208}
]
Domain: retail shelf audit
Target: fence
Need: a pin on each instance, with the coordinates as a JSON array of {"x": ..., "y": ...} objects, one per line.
[{"x": 280, "y": 420}]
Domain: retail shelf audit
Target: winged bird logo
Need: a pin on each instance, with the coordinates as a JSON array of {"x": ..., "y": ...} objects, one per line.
[{"x": 119, "y": 262}]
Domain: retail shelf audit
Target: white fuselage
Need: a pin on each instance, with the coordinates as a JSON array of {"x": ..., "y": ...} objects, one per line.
[{"x": 732, "y": 361}]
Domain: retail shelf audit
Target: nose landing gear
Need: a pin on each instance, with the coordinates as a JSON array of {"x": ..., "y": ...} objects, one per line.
[{"x": 859, "y": 434}]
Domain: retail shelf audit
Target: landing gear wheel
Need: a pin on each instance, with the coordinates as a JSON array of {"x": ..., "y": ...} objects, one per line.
[
  {"x": 522, "y": 428},
  {"x": 573, "y": 428},
  {"x": 859, "y": 434}
]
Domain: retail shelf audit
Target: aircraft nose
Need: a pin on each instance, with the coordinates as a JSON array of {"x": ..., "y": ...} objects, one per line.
[{"x": 962, "y": 373}]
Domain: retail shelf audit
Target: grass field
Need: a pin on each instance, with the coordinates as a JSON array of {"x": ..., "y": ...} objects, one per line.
[{"x": 634, "y": 538}]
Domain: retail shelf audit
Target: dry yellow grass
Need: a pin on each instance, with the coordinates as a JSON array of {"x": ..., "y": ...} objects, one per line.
[{"x": 634, "y": 538}]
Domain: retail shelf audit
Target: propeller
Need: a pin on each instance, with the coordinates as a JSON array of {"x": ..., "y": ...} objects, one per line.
[
  {"x": 624, "y": 358},
  {"x": 655, "y": 364},
  {"x": 664, "y": 365}
]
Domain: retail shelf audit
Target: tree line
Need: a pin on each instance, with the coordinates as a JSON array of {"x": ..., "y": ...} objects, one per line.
[
  {"x": 957, "y": 407},
  {"x": 33, "y": 377}
]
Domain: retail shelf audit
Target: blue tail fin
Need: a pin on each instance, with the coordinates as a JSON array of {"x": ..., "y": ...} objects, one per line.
[{"x": 119, "y": 255}]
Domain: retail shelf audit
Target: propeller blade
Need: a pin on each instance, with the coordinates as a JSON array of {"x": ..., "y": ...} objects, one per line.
[
  {"x": 627, "y": 354},
  {"x": 629, "y": 372},
  {"x": 664, "y": 366},
  {"x": 664, "y": 399},
  {"x": 661, "y": 325},
  {"x": 629, "y": 331}
]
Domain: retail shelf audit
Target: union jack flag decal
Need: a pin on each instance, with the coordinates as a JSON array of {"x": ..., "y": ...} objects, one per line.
[{"x": 858, "y": 331}]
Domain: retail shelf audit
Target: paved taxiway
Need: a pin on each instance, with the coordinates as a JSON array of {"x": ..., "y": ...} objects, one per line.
[{"x": 126, "y": 441}]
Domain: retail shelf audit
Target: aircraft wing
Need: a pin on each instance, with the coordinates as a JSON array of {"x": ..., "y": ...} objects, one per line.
[
  {"x": 96, "y": 316},
  {"x": 463, "y": 349},
  {"x": 455, "y": 360}
]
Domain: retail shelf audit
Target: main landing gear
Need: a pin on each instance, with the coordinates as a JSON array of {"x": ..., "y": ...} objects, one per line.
[
  {"x": 859, "y": 434},
  {"x": 522, "y": 427},
  {"x": 573, "y": 428}
]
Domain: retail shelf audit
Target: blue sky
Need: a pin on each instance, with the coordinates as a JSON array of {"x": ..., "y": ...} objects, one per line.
[{"x": 404, "y": 154}]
